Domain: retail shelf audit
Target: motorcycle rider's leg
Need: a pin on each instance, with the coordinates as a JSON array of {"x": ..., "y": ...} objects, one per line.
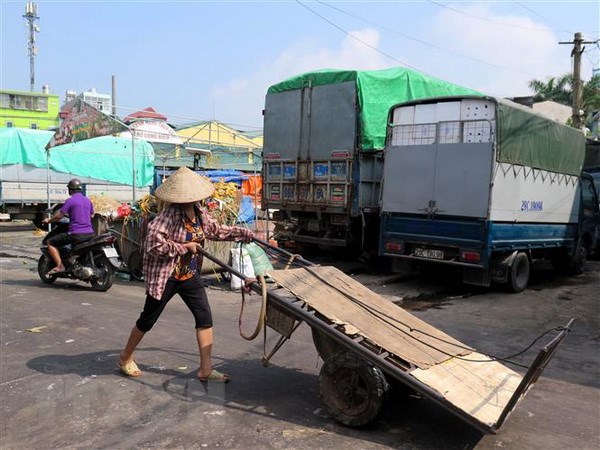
[{"x": 55, "y": 255}]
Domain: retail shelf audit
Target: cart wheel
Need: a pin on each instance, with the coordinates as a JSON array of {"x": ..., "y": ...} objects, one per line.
[
  {"x": 326, "y": 346},
  {"x": 352, "y": 390},
  {"x": 134, "y": 264}
]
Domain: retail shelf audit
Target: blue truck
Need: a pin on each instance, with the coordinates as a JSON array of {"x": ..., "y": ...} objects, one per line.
[{"x": 486, "y": 185}]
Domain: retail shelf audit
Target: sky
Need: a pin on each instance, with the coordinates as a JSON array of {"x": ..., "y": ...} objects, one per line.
[{"x": 201, "y": 60}]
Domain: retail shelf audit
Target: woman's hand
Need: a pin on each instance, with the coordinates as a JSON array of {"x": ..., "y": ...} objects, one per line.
[
  {"x": 191, "y": 247},
  {"x": 247, "y": 236}
]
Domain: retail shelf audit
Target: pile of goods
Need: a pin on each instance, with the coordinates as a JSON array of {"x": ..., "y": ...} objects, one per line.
[
  {"x": 104, "y": 205},
  {"x": 225, "y": 204}
]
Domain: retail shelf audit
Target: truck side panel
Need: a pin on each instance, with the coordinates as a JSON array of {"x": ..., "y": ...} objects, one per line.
[{"x": 524, "y": 194}]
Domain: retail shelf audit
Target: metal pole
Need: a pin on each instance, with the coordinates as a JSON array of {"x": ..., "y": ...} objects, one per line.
[
  {"x": 48, "y": 186},
  {"x": 114, "y": 96},
  {"x": 132, "y": 165}
]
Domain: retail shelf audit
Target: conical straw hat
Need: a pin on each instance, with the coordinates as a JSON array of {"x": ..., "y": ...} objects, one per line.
[{"x": 184, "y": 186}]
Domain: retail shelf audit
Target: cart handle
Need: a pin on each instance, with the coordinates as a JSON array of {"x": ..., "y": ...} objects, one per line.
[{"x": 264, "y": 243}]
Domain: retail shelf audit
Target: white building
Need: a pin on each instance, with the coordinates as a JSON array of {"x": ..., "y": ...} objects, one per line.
[{"x": 91, "y": 97}]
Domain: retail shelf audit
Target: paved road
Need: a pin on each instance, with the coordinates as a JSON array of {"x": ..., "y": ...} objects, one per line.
[{"x": 60, "y": 387}]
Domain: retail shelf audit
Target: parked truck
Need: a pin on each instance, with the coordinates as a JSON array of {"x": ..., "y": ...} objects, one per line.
[
  {"x": 486, "y": 185},
  {"x": 324, "y": 133},
  {"x": 29, "y": 180}
]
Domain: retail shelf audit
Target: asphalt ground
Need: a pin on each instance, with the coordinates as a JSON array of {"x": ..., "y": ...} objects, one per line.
[{"x": 60, "y": 387}]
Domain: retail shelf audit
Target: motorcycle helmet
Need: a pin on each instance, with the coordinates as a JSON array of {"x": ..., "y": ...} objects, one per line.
[{"x": 74, "y": 185}]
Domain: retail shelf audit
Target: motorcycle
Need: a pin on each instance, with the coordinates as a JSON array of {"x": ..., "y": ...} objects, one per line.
[{"x": 92, "y": 260}]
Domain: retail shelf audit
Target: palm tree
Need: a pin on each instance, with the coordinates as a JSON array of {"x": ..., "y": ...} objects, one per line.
[{"x": 558, "y": 89}]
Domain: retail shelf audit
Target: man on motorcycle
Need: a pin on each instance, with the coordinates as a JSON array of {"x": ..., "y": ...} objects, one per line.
[{"x": 80, "y": 210}]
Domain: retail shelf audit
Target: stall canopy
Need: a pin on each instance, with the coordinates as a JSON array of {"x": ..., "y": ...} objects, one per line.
[{"x": 104, "y": 158}]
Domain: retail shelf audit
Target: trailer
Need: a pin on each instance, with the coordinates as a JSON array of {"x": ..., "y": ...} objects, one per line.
[
  {"x": 488, "y": 186},
  {"x": 32, "y": 179},
  {"x": 324, "y": 134},
  {"x": 367, "y": 341}
]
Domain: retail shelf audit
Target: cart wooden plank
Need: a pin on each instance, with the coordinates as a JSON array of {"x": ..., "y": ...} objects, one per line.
[
  {"x": 481, "y": 389},
  {"x": 368, "y": 314}
]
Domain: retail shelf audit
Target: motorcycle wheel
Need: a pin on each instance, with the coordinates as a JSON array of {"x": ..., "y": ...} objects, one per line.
[
  {"x": 45, "y": 263},
  {"x": 103, "y": 283}
]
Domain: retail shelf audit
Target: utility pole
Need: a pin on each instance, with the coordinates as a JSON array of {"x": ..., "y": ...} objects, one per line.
[
  {"x": 31, "y": 16},
  {"x": 578, "y": 120},
  {"x": 114, "y": 96}
]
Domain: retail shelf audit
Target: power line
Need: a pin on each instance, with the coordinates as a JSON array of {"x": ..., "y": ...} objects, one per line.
[
  {"x": 412, "y": 38},
  {"x": 355, "y": 37},
  {"x": 486, "y": 19},
  {"x": 538, "y": 15}
]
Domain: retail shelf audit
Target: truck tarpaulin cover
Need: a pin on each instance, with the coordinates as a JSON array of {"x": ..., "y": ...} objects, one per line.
[
  {"x": 377, "y": 92},
  {"x": 526, "y": 138},
  {"x": 104, "y": 158}
]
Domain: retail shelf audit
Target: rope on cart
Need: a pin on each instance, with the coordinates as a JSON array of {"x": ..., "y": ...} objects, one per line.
[
  {"x": 262, "y": 315},
  {"x": 388, "y": 319}
]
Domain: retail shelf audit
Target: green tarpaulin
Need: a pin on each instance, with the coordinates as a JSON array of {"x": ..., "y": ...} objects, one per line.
[
  {"x": 377, "y": 91},
  {"x": 528, "y": 139},
  {"x": 105, "y": 158}
]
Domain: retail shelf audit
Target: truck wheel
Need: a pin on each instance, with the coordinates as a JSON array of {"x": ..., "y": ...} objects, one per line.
[
  {"x": 325, "y": 345},
  {"x": 105, "y": 281},
  {"x": 45, "y": 263},
  {"x": 352, "y": 390},
  {"x": 518, "y": 274},
  {"x": 578, "y": 260}
]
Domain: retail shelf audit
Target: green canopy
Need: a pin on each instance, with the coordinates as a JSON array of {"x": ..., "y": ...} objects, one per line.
[
  {"x": 528, "y": 139},
  {"x": 377, "y": 92},
  {"x": 104, "y": 158}
]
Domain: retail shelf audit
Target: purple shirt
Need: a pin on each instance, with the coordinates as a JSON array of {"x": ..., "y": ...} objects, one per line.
[{"x": 79, "y": 208}]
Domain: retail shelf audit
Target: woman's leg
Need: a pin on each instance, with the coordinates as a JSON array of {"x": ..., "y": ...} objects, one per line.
[
  {"x": 153, "y": 308},
  {"x": 194, "y": 296},
  {"x": 205, "y": 343}
]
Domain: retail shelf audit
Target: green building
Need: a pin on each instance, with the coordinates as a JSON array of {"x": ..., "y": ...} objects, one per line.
[{"x": 22, "y": 109}]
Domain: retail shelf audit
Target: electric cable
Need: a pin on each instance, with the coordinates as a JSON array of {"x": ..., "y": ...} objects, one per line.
[
  {"x": 386, "y": 318},
  {"x": 356, "y": 37},
  {"x": 420, "y": 41}
]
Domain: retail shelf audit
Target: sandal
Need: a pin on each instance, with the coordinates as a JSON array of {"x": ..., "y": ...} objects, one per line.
[
  {"x": 215, "y": 375},
  {"x": 129, "y": 369},
  {"x": 55, "y": 271}
]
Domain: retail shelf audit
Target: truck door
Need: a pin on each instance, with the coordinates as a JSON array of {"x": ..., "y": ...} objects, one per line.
[{"x": 440, "y": 159}]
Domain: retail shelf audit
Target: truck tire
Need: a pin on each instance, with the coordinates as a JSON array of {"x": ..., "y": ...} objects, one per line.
[
  {"x": 578, "y": 259},
  {"x": 518, "y": 273},
  {"x": 352, "y": 390}
]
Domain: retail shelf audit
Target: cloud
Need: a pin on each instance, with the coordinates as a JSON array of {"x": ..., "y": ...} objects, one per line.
[
  {"x": 241, "y": 100},
  {"x": 523, "y": 48}
]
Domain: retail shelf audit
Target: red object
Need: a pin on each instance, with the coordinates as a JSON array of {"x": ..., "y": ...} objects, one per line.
[
  {"x": 124, "y": 210},
  {"x": 471, "y": 256},
  {"x": 146, "y": 113}
]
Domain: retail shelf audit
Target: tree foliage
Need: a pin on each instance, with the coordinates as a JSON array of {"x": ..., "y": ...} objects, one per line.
[{"x": 560, "y": 90}]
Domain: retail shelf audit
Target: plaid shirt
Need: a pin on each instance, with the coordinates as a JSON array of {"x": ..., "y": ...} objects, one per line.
[{"x": 164, "y": 239}]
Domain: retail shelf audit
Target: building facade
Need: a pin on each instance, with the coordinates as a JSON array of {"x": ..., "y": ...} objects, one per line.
[
  {"x": 102, "y": 102},
  {"x": 23, "y": 109}
]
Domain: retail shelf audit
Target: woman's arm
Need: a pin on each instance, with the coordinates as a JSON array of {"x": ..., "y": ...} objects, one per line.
[
  {"x": 159, "y": 239},
  {"x": 215, "y": 231}
]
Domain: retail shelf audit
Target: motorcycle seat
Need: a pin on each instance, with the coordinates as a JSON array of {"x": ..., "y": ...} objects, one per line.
[{"x": 89, "y": 242}]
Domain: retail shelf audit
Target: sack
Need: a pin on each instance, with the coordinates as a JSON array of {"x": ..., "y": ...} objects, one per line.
[
  {"x": 242, "y": 264},
  {"x": 260, "y": 260}
]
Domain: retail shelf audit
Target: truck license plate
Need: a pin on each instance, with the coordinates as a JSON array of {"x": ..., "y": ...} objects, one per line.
[
  {"x": 110, "y": 252},
  {"x": 428, "y": 253}
]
